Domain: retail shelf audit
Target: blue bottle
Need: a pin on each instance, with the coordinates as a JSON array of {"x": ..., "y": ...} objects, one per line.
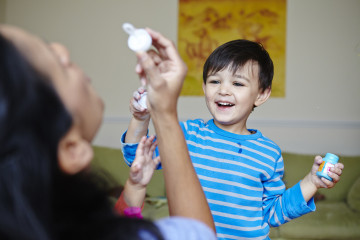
[{"x": 328, "y": 162}]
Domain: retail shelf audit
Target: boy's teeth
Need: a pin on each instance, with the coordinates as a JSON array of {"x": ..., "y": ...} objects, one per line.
[{"x": 225, "y": 104}]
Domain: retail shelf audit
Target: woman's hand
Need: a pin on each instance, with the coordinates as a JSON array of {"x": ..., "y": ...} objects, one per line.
[{"x": 163, "y": 73}]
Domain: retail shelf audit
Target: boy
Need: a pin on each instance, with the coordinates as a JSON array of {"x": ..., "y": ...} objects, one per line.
[{"x": 239, "y": 169}]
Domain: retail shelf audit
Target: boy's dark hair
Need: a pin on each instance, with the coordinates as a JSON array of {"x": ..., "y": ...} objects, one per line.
[{"x": 237, "y": 53}]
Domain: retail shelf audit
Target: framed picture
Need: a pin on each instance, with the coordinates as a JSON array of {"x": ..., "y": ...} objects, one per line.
[{"x": 205, "y": 24}]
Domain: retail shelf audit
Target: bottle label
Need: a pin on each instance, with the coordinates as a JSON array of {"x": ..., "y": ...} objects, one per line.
[{"x": 325, "y": 167}]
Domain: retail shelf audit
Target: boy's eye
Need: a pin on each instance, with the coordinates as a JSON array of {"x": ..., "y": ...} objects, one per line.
[
  {"x": 213, "y": 81},
  {"x": 238, "y": 84}
]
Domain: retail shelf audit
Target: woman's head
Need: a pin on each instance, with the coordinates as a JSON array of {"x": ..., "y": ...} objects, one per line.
[
  {"x": 49, "y": 67},
  {"x": 33, "y": 119},
  {"x": 49, "y": 113}
]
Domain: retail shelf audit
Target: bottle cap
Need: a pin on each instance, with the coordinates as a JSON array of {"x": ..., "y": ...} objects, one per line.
[
  {"x": 332, "y": 158},
  {"x": 142, "y": 100},
  {"x": 139, "y": 39}
]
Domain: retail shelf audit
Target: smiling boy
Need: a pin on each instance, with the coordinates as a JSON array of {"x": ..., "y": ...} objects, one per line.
[
  {"x": 232, "y": 87},
  {"x": 239, "y": 169}
]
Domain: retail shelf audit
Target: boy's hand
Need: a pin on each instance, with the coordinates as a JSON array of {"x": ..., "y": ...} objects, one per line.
[
  {"x": 311, "y": 182},
  {"x": 138, "y": 112},
  {"x": 334, "y": 173},
  {"x": 143, "y": 166}
]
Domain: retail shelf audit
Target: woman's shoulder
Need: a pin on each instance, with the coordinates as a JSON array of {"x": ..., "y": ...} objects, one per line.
[{"x": 184, "y": 228}]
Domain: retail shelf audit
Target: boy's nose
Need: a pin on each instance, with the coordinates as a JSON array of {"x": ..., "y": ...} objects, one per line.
[{"x": 223, "y": 90}]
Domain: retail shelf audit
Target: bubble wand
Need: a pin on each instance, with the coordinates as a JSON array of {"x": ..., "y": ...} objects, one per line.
[{"x": 139, "y": 41}]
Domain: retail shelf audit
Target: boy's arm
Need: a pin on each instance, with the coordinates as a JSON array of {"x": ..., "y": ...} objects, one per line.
[
  {"x": 138, "y": 127},
  {"x": 165, "y": 73},
  {"x": 136, "y": 130},
  {"x": 311, "y": 182},
  {"x": 281, "y": 206},
  {"x": 139, "y": 122}
]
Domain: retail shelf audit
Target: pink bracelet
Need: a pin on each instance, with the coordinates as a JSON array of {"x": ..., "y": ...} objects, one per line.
[{"x": 134, "y": 212}]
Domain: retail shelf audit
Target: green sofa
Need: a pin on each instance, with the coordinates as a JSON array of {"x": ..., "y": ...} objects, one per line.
[{"x": 337, "y": 214}]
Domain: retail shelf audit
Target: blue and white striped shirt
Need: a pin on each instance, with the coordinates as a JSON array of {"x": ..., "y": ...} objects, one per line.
[{"x": 241, "y": 176}]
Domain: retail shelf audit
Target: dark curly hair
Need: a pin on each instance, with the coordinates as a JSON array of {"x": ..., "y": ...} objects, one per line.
[{"x": 38, "y": 200}]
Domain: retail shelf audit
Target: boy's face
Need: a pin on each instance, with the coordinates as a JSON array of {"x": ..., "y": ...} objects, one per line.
[{"x": 230, "y": 97}]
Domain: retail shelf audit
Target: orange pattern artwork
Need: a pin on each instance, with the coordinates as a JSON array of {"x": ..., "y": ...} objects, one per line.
[{"x": 206, "y": 24}]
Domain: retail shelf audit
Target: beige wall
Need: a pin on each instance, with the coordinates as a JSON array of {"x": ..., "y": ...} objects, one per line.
[
  {"x": 319, "y": 114},
  {"x": 2, "y": 10}
]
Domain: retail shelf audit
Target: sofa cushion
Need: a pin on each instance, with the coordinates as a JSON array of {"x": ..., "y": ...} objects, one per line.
[
  {"x": 109, "y": 163},
  {"x": 353, "y": 198},
  {"x": 298, "y": 165},
  {"x": 330, "y": 221},
  {"x": 155, "y": 208}
]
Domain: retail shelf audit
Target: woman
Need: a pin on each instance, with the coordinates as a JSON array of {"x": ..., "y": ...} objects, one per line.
[{"x": 49, "y": 114}]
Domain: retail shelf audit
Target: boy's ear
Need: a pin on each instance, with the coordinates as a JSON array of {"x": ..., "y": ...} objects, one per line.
[
  {"x": 74, "y": 152},
  {"x": 263, "y": 96},
  {"x": 203, "y": 87}
]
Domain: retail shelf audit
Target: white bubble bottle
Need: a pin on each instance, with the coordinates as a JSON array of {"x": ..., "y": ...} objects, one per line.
[{"x": 139, "y": 39}]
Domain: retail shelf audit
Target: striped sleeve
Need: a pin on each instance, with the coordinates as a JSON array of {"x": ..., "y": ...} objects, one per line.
[
  {"x": 129, "y": 151},
  {"x": 280, "y": 205}
]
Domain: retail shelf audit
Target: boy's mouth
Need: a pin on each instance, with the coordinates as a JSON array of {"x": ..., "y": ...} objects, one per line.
[{"x": 224, "y": 104}]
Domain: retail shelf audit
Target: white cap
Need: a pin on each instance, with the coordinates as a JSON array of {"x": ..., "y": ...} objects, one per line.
[
  {"x": 142, "y": 100},
  {"x": 139, "y": 39}
]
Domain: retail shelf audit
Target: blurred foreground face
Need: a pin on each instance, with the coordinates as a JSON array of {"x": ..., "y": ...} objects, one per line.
[{"x": 73, "y": 86}]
